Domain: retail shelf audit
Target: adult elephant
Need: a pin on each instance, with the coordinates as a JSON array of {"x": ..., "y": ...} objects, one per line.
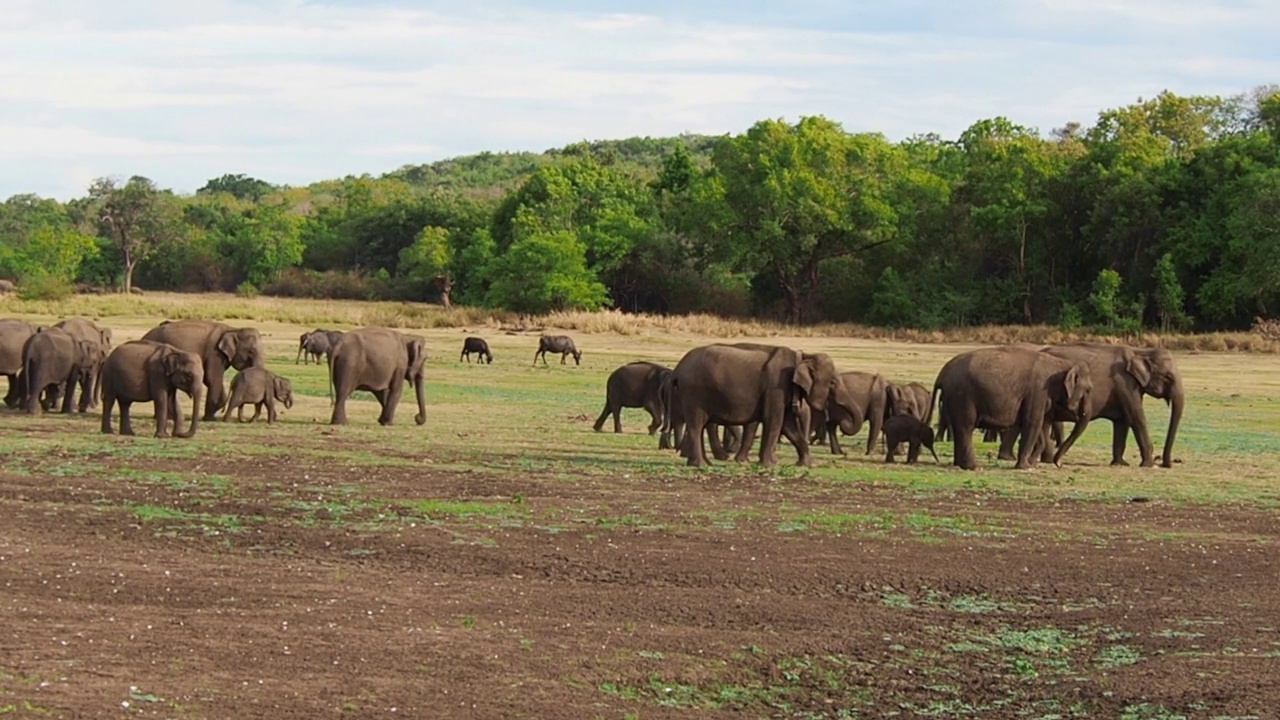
[
  {"x": 637, "y": 385},
  {"x": 219, "y": 346},
  {"x": 1121, "y": 376},
  {"x": 142, "y": 371},
  {"x": 747, "y": 383},
  {"x": 13, "y": 337},
  {"x": 317, "y": 344},
  {"x": 86, "y": 330},
  {"x": 1010, "y": 387},
  {"x": 54, "y": 359},
  {"x": 870, "y": 394},
  {"x": 378, "y": 360}
]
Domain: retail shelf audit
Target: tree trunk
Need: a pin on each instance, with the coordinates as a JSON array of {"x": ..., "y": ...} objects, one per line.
[
  {"x": 129, "y": 264},
  {"x": 445, "y": 283}
]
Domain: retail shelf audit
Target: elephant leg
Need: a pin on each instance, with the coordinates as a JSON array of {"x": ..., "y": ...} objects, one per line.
[
  {"x": 389, "y": 398},
  {"x": 832, "y": 438},
  {"x": 1119, "y": 438},
  {"x": 913, "y": 451},
  {"x": 718, "y": 450},
  {"x": 108, "y": 403},
  {"x": 962, "y": 445},
  {"x": 68, "y": 397},
  {"x": 162, "y": 414},
  {"x": 271, "y": 409},
  {"x": 1007, "y": 438},
  {"x": 691, "y": 444},
  {"x": 796, "y": 436},
  {"x": 86, "y": 393},
  {"x": 1028, "y": 444},
  {"x": 655, "y": 416},
  {"x": 769, "y": 438},
  {"x": 126, "y": 422},
  {"x": 1143, "y": 438},
  {"x": 748, "y": 439},
  {"x": 603, "y": 415},
  {"x": 257, "y": 411}
]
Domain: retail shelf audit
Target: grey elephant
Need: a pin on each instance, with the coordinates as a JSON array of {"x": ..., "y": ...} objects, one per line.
[
  {"x": 870, "y": 395},
  {"x": 316, "y": 344},
  {"x": 747, "y": 383},
  {"x": 219, "y": 346},
  {"x": 379, "y": 360},
  {"x": 634, "y": 385},
  {"x": 911, "y": 430},
  {"x": 88, "y": 331},
  {"x": 912, "y": 399},
  {"x": 146, "y": 371},
  {"x": 54, "y": 360},
  {"x": 258, "y": 386},
  {"x": 13, "y": 337},
  {"x": 1121, "y": 376},
  {"x": 562, "y": 344},
  {"x": 7, "y": 286},
  {"x": 479, "y": 347},
  {"x": 1009, "y": 387}
]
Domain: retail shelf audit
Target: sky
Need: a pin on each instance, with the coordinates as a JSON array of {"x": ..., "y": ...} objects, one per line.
[{"x": 292, "y": 91}]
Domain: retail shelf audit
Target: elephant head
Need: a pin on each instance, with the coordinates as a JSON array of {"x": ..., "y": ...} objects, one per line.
[
  {"x": 282, "y": 389},
  {"x": 1154, "y": 371},
  {"x": 185, "y": 371},
  {"x": 242, "y": 347},
  {"x": 901, "y": 401},
  {"x": 818, "y": 381}
]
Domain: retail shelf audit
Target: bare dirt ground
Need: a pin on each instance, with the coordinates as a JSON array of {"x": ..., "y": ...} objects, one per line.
[{"x": 294, "y": 590}]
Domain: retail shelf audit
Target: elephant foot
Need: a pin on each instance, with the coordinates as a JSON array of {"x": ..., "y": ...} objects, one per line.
[
  {"x": 1167, "y": 464},
  {"x": 1119, "y": 462},
  {"x": 420, "y": 419},
  {"x": 1148, "y": 463},
  {"x": 1006, "y": 456}
]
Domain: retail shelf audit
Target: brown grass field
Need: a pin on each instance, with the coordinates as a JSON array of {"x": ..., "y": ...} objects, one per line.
[{"x": 506, "y": 561}]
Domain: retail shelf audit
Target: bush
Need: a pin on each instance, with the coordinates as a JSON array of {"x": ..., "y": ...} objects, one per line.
[
  {"x": 247, "y": 289},
  {"x": 331, "y": 285},
  {"x": 42, "y": 286}
]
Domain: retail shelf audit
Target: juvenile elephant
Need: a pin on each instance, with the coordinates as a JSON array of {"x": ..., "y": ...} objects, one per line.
[
  {"x": 54, "y": 359},
  {"x": 911, "y": 399},
  {"x": 258, "y": 387},
  {"x": 1009, "y": 387},
  {"x": 562, "y": 344},
  {"x": 870, "y": 393},
  {"x": 316, "y": 344},
  {"x": 911, "y": 430},
  {"x": 748, "y": 383},
  {"x": 219, "y": 346},
  {"x": 86, "y": 330},
  {"x": 378, "y": 360},
  {"x": 13, "y": 337},
  {"x": 479, "y": 347},
  {"x": 145, "y": 371},
  {"x": 637, "y": 384}
]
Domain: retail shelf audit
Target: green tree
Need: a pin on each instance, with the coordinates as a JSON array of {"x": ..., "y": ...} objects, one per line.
[
  {"x": 429, "y": 262},
  {"x": 799, "y": 195},
  {"x": 1105, "y": 298},
  {"x": 239, "y": 186},
  {"x": 1168, "y": 295},
  {"x": 138, "y": 218},
  {"x": 544, "y": 272}
]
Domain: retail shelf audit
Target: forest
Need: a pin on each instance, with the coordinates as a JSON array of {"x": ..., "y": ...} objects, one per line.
[{"x": 1163, "y": 214}]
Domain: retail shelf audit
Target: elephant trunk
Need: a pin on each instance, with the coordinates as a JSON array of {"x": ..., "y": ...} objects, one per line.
[
  {"x": 1176, "y": 402},
  {"x": 1081, "y": 424},
  {"x": 421, "y": 417},
  {"x": 197, "y": 398}
]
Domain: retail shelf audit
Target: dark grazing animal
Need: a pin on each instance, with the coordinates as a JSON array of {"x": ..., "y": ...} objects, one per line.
[
  {"x": 911, "y": 430},
  {"x": 479, "y": 347},
  {"x": 562, "y": 344}
]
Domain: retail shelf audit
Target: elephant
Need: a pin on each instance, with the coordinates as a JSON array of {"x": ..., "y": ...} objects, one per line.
[
  {"x": 1009, "y": 387},
  {"x": 89, "y": 331},
  {"x": 13, "y": 337},
  {"x": 911, "y": 399},
  {"x": 911, "y": 430},
  {"x": 53, "y": 358},
  {"x": 747, "y": 383},
  {"x": 219, "y": 346},
  {"x": 870, "y": 394},
  {"x": 1121, "y": 376},
  {"x": 562, "y": 344},
  {"x": 724, "y": 439},
  {"x": 479, "y": 347},
  {"x": 316, "y": 344},
  {"x": 7, "y": 286},
  {"x": 146, "y": 371},
  {"x": 378, "y": 360},
  {"x": 637, "y": 384},
  {"x": 258, "y": 386}
]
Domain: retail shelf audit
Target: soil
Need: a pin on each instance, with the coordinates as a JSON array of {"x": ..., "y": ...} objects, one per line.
[{"x": 291, "y": 590}]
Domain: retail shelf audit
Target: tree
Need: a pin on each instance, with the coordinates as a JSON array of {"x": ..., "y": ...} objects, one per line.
[
  {"x": 137, "y": 218},
  {"x": 429, "y": 260},
  {"x": 799, "y": 195},
  {"x": 1105, "y": 298},
  {"x": 545, "y": 272},
  {"x": 1168, "y": 295},
  {"x": 239, "y": 186}
]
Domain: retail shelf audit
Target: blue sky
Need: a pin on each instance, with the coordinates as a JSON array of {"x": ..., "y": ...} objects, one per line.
[{"x": 292, "y": 91}]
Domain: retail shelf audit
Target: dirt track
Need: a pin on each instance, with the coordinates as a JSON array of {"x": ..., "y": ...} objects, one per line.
[{"x": 306, "y": 593}]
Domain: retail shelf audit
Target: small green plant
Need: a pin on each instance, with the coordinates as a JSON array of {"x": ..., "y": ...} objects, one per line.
[
  {"x": 468, "y": 622},
  {"x": 247, "y": 289}
]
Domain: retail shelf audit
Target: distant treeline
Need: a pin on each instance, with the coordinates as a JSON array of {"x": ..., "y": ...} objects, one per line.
[{"x": 1162, "y": 214}]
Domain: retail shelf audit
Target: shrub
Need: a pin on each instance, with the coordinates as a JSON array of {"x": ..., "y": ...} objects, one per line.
[
  {"x": 247, "y": 289},
  {"x": 42, "y": 286}
]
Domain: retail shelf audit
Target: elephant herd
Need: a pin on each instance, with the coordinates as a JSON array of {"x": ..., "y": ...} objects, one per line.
[{"x": 721, "y": 395}]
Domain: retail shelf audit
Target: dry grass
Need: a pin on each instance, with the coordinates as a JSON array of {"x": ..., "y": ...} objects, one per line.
[{"x": 349, "y": 313}]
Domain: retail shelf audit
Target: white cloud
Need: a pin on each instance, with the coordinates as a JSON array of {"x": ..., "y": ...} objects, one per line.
[{"x": 296, "y": 91}]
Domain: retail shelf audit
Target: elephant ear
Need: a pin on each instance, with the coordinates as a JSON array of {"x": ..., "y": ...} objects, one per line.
[
  {"x": 803, "y": 377},
  {"x": 172, "y": 363},
  {"x": 895, "y": 397},
  {"x": 227, "y": 345},
  {"x": 1137, "y": 366}
]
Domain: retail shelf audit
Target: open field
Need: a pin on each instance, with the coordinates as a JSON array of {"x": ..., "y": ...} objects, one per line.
[{"x": 506, "y": 561}]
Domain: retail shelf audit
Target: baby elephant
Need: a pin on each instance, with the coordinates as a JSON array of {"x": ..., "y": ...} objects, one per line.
[
  {"x": 479, "y": 347},
  {"x": 261, "y": 387},
  {"x": 911, "y": 430}
]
